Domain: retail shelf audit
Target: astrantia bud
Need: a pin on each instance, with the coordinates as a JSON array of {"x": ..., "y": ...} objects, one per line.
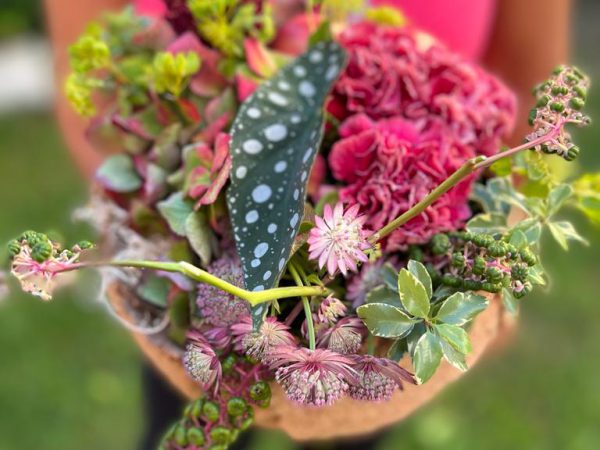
[
  {"x": 378, "y": 378},
  {"x": 344, "y": 337},
  {"x": 258, "y": 344},
  {"x": 331, "y": 309}
]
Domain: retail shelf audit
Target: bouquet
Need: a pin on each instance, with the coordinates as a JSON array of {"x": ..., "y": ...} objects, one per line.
[{"x": 302, "y": 194}]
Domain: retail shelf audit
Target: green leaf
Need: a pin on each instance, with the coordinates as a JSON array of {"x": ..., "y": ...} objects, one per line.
[
  {"x": 199, "y": 235},
  {"x": 460, "y": 308},
  {"x": 420, "y": 272},
  {"x": 118, "y": 174},
  {"x": 532, "y": 228},
  {"x": 390, "y": 276},
  {"x": 563, "y": 232},
  {"x": 537, "y": 275},
  {"x": 455, "y": 336},
  {"x": 557, "y": 197},
  {"x": 427, "y": 356},
  {"x": 487, "y": 223},
  {"x": 176, "y": 210},
  {"x": 518, "y": 239},
  {"x": 154, "y": 290},
  {"x": 397, "y": 350},
  {"x": 274, "y": 140},
  {"x": 455, "y": 358},
  {"x": 385, "y": 320},
  {"x": 413, "y": 294},
  {"x": 383, "y": 294}
]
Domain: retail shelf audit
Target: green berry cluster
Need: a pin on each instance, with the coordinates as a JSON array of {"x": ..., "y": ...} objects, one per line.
[
  {"x": 560, "y": 100},
  {"x": 41, "y": 248},
  {"x": 215, "y": 422},
  {"x": 480, "y": 262}
]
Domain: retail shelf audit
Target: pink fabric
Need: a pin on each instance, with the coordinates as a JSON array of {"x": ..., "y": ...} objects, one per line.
[{"x": 464, "y": 25}]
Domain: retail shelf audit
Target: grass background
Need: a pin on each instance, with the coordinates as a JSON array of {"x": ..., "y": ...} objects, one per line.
[{"x": 70, "y": 376}]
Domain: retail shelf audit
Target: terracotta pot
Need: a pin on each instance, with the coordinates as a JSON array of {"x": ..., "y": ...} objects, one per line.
[{"x": 347, "y": 417}]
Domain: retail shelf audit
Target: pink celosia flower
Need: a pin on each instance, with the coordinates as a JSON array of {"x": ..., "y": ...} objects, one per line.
[
  {"x": 259, "y": 344},
  {"x": 338, "y": 240},
  {"x": 344, "y": 337},
  {"x": 217, "y": 307},
  {"x": 388, "y": 167},
  {"x": 39, "y": 278},
  {"x": 394, "y": 71},
  {"x": 201, "y": 362},
  {"x": 209, "y": 177},
  {"x": 330, "y": 310},
  {"x": 378, "y": 378},
  {"x": 312, "y": 377}
]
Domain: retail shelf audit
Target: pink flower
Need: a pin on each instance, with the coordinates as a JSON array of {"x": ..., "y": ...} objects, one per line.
[
  {"x": 330, "y": 310},
  {"x": 378, "y": 378},
  {"x": 395, "y": 71},
  {"x": 338, "y": 240},
  {"x": 216, "y": 306},
  {"x": 259, "y": 344},
  {"x": 312, "y": 377},
  {"x": 387, "y": 168},
  {"x": 344, "y": 337},
  {"x": 201, "y": 362},
  {"x": 209, "y": 177}
]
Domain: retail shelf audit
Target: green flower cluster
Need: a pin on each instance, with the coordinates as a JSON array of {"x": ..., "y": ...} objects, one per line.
[
  {"x": 171, "y": 73},
  {"x": 481, "y": 262},
  {"x": 41, "y": 248},
  {"x": 207, "y": 423}
]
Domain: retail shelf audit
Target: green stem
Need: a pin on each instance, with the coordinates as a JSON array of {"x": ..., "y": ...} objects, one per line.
[
  {"x": 295, "y": 272},
  {"x": 197, "y": 274},
  {"x": 463, "y": 172}
]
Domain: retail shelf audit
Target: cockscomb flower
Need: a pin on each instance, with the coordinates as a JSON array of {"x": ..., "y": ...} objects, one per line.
[
  {"x": 343, "y": 337},
  {"x": 559, "y": 102},
  {"x": 338, "y": 240},
  {"x": 201, "y": 362},
  {"x": 216, "y": 306},
  {"x": 258, "y": 344},
  {"x": 37, "y": 261},
  {"x": 312, "y": 377},
  {"x": 330, "y": 310},
  {"x": 378, "y": 378}
]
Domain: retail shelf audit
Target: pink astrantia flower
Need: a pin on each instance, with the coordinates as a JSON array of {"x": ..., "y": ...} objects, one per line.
[
  {"x": 344, "y": 337},
  {"x": 259, "y": 344},
  {"x": 217, "y": 307},
  {"x": 201, "y": 362},
  {"x": 39, "y": 278},
  {"x": 399, "y": 71},
  {"x": 378, "y": 378},
  {"x": 209, "y": 177},
  {"x": 387, "y": 167},
  {"x": 330, "y": 310},
  {"x": 338, "y": 240},
  {"x": 312, "y": 377}
]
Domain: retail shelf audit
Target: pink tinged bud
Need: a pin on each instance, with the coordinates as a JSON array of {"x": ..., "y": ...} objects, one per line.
[
  {"x": 245, "y": 86},
  {"x": 259, "y": 59},
  {"x": 201, "y": 362},
  {"x": 150, "y": 8}
]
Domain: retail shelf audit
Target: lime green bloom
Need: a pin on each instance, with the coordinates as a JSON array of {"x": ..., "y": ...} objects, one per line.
[
  {"x": 171, "y": 73},
  {"x": 79, "y": 93},
  {"x": 386, "y": 15},
  {"x": 88, "y": 53}
]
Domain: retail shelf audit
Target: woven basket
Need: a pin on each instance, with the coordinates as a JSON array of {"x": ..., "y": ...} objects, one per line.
[{"x": 347, "y": 417}]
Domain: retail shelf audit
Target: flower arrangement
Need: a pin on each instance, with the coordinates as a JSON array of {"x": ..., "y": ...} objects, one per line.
[{"x": 301, "y": 185}]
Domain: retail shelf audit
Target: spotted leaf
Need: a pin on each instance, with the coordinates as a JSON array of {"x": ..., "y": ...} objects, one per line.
[{"x": 274, "y": 140}]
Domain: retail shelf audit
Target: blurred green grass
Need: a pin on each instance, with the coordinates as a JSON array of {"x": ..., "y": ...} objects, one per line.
[{"x": 69, "y": 376}]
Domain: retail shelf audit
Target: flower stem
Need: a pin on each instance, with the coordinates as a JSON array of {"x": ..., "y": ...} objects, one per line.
[
  {"x": 295, "y": 272},
  {"x": 197, "y": 274},
  {"x": 464, "y": 171}
]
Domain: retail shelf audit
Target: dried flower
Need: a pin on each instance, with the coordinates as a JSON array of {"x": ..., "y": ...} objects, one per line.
[
  {"x": 378, "y": 378},
  {"x": 330, "y": 310},
  {"x": 216, "y": 306},
  {"x": 344, "y": 337},
  {"x": 338, "y": 240},
  {"x": 312, "y": 377},
  {"x": 258, "y": 344},
  {"x": 559, "y": 102},
  {"x": 201, "y": 361}
]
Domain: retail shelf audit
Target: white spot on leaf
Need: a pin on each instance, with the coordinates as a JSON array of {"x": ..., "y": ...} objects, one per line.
[
  {"x": 280, "y": 166},
  {"x": 261, "y": 193},
  {"x": 276, "y": 133},
  {"x": 252, "y": 146},
  {"x": 261, "y": 249}
]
